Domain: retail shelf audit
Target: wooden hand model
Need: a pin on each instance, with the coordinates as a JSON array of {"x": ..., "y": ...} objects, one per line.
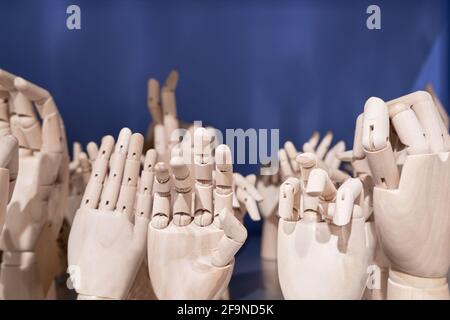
[
  {"x": 192, "y": 243},
  {"x": 109, "y": 232},
  {"x": 322, "y": 232},
  {"x": 38, "y": 205},
  {"x": 268, "y": 186},
  {"x": 407, "y": 147}
]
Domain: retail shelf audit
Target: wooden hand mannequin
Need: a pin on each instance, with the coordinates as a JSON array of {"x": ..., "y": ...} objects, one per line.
[
  {"x": 325, "y": 245},
  {"x": 191, "y": 244},
  {"x": 37, "y": 206},
  {"x": 268, "y": 186},
  {"x": 411, "y": 206},
  {"x": 109, "y": 232},
  {"x": 80, "y": 170}
]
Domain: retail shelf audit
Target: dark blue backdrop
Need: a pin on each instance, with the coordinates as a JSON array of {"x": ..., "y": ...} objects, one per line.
[{"x": 294, "y": 65}]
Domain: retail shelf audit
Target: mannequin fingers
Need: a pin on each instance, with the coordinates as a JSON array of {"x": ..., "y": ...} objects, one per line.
[
  {"x": 408, "y": 128},
  {"x": 358, "y": 150},
  {"x": 25, "y": 120},
  {"x": 234, "y": 237},
  {"x": 292, "y": 153},
  {"x": 307, "y": 162},
  {"x": 94, "y": 187},
  {"x": 7, "y": 80},
  {"x": 161, "y": 142},
  {"x": 320, "y": 185},
  {"x": 169, "y": 106},
  {"x": 31, "y": 91},
  {"x": 249, "y": 203},
  {"x": 9, "y": 160},
  {"x": 148, "y": 173},
  {"x": 311, "y": 144},
  {"x": 172, "y": 80},
  {"x": 322, "y": 149},
  {"x": 169, "y": 112},
  {"x": 125, "y": 202},
  {"x": 331, "y": 159},
  {"x": 85, "y": 166},
  {"x": 289, "y": 200},
  {"x": 182, "y": 204},
  {"x": 338, "y": 176},
  {"x": 92, "y": 151},
  {"x": 203, "y": 162},
  {"x": 375, "y": 140},
  {"x": 52, "y": 137},
  {"x": 44, "y": 103},
  {"x": 442, "y": 112},
  {"x": 153, "y": 101},
  {"x": 431, "y": 122},
  {"x": 5, "y": 128},
  {"x": 223, "y": 193},
  {"x": 144, "y": 195},
  {"x": 346, "y": 196},
  {"x": 112, "y": 186},
  {"x": 161, "y": 211},
  {"x": 76, "y": 150},
  {"x": 285, "y": 167},
  {"x": 244, "y": 184}
]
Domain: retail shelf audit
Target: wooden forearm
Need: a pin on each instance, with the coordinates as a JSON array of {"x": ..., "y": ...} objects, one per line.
[
  {"x": 19, "y": 278},
  {"x": 402, "y": 286}
]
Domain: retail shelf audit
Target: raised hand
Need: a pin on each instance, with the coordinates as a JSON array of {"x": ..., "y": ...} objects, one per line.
[
  {"x": 322, "y": 232},
  {"x": 39, "y": 200},
  {"x": 407, "y": 147},
  {"x": 193, "y": 235},
  {"x": 109, "y": 232}
]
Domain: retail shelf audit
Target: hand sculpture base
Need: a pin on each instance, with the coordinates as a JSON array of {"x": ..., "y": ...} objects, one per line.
[
  {"x": 180, "y": 264},
  {"x": 403, "y": 286}
]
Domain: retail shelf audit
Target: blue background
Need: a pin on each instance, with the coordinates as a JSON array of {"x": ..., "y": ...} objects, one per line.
[{"x": 295, "y": 65}]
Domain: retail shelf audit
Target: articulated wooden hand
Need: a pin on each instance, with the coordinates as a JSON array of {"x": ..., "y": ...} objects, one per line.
[
  {"x": 268, "y": 186},
  {"x": 193, "y": 235},
  {"x": 108, "y": 235},
  {"x": 38, "y": 203},
  {"x": 411, "y": 206},
  {"x": 322, "y": 232}
]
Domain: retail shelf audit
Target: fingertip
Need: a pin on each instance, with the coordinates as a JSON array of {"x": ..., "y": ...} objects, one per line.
[{"x": 20, "y": 84}]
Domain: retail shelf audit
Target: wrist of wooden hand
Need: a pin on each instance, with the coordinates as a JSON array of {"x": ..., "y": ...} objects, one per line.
[{"x": 403, "y": 286}]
